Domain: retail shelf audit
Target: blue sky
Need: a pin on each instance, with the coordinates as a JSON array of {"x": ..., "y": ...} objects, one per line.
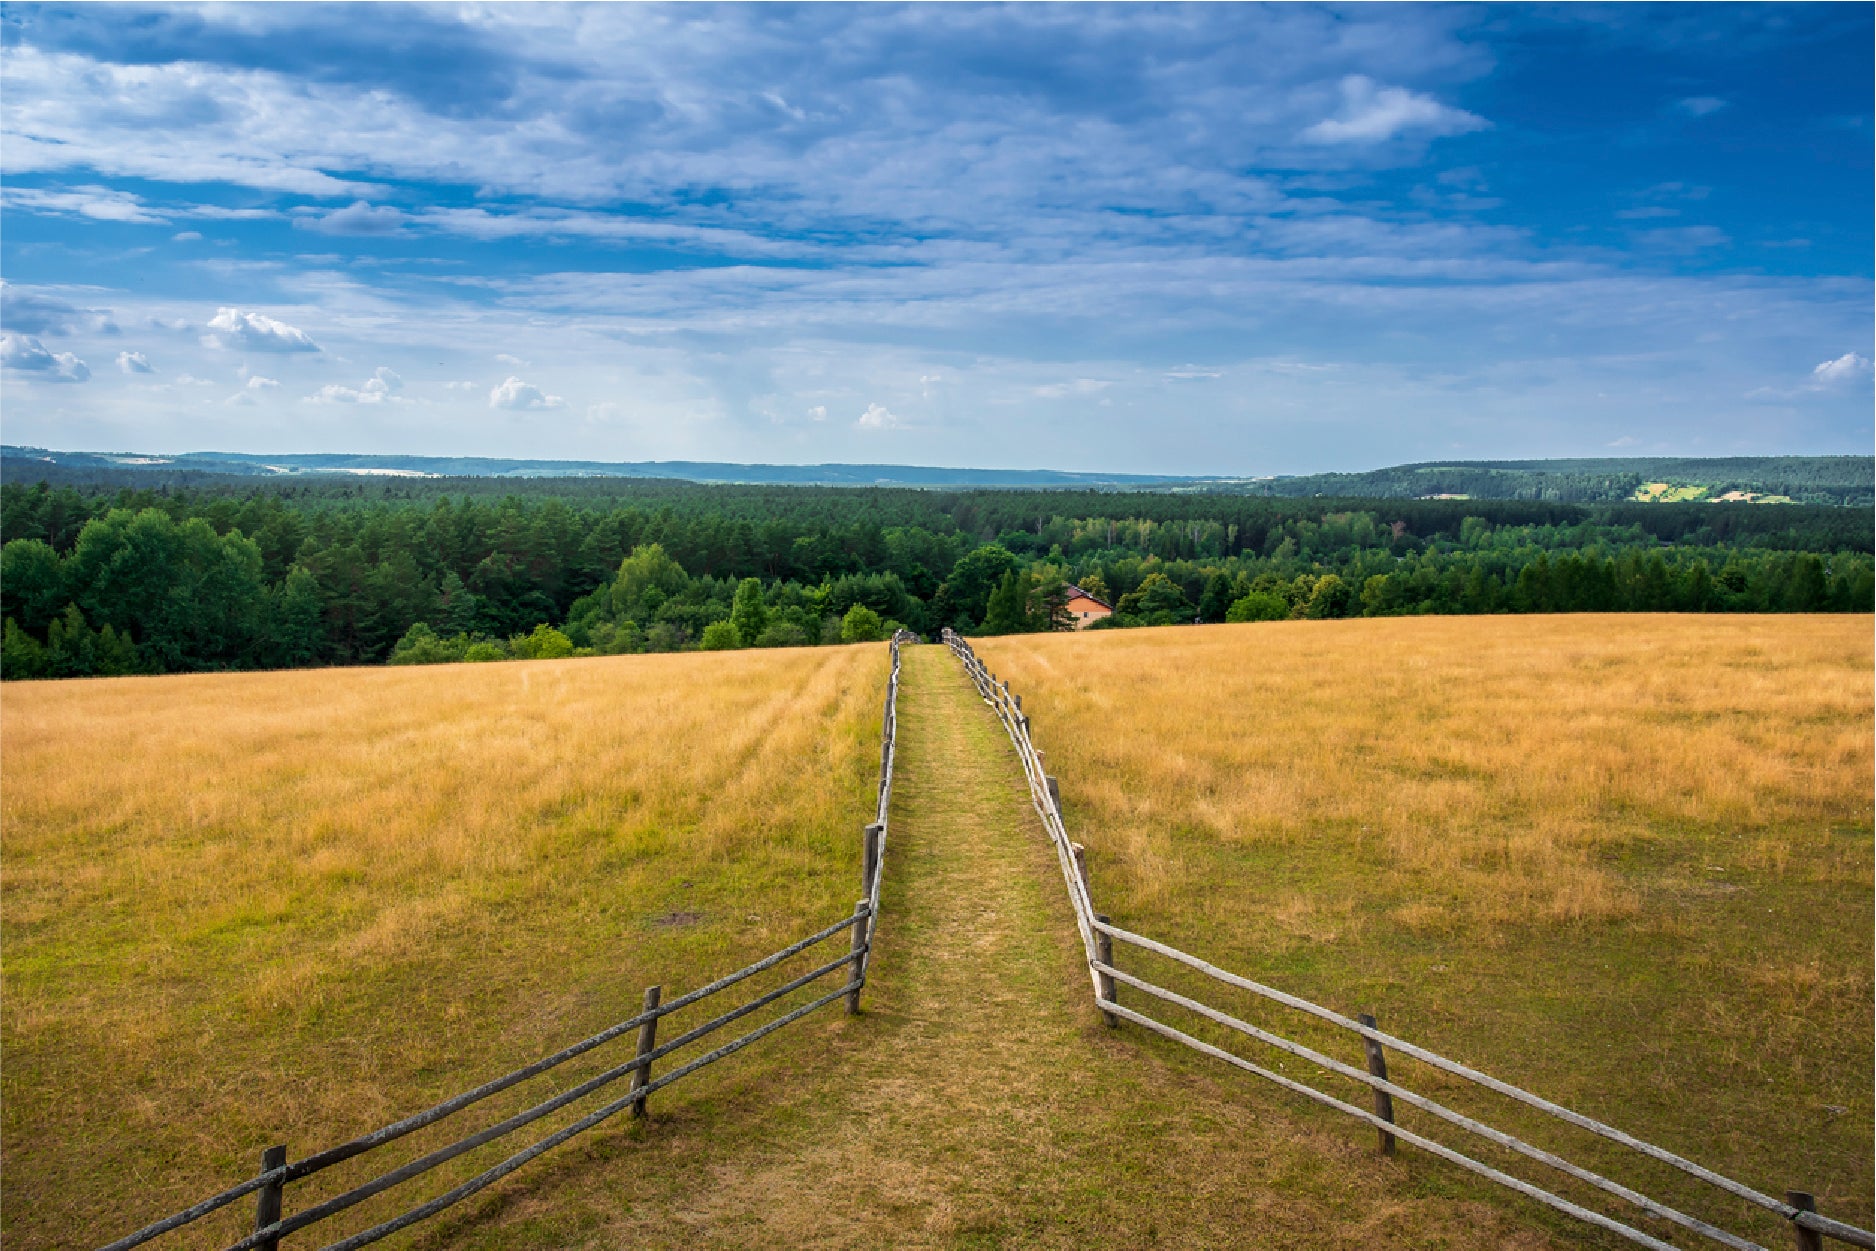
[{"x": 1223, "y": 239}]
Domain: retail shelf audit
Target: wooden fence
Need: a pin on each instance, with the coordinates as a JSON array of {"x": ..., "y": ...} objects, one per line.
[
  {"x": 271, "y": 1224},
  {"x": 1098, "y": 937}
]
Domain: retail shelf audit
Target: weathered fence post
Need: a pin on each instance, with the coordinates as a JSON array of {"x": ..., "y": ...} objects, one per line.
[
  {"x": 860, "y": 956},
  {"x": 647, "y": 1042},
  {"x": 1804, "y": 1201},
  {"x": 869, "y": 858},
  {"x": 267, "y": 1200},
  {"x": 1081, "y": 865},
  {"x": 1377, "y": 1067},
  {"x": 1104, "y": 952},
  {"x": 1055, "y": 795}
]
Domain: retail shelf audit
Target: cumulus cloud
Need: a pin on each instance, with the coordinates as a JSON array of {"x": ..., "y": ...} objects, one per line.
[
  {"x": 1840, "y": 374},
  {"x": 1372, "y": 113},
  {"x": 381, "y": 388},
  {"x": 186, "y": 236},
  {"x": 135, "y": 363},
  {"x": 516, "y": 361},
  {"x": 818, "y": 412},
  {"x": 878, "y": 417},
  {"x": 27, "y": 354},
  {"x": 235, "y": 330},
  {"x": 258, "y": 383},
  {"x": 360, "y": 217},
  {"x": 516, "y": 394}
]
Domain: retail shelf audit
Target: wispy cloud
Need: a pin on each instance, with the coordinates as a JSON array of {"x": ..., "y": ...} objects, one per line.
[{"x": 1373, "y": 113}]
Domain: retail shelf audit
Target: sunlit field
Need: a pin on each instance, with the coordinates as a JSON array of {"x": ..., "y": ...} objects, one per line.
[
  {"x": 1622, "y": 861},
  {"x": 290, "y": 907}
]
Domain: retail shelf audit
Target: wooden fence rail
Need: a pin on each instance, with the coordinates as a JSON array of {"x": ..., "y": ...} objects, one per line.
[
  {"x": 277, "y": 1172},
  {"x": 1098, "y": 936}
]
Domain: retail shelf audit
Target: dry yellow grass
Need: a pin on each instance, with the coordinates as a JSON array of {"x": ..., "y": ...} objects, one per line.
[
  {"x": 289, "y": 907},
  {"x": 1625, "y": 860}
]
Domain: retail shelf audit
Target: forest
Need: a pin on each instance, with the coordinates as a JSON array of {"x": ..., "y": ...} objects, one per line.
[{"x": 234, "y": 574}]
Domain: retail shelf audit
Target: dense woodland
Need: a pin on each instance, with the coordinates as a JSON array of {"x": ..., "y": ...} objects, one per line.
[
  {"x": 1843, "y": 480},
  {"x": 232, "y": 574}
]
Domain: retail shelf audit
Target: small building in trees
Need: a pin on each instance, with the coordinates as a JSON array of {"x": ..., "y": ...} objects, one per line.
[{"x": 1084, "y": 609}]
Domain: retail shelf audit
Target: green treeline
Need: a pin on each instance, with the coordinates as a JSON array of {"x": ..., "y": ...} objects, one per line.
[
  {"x": 248, "y": 576},
  {"x": 1841, "y": 480}
]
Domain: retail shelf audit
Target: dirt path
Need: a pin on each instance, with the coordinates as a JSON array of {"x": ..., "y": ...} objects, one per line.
[{"x": 980, "y": 1101}]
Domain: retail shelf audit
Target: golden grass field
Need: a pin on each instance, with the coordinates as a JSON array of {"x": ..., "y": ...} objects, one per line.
[
  {"x": 1624, "y": 861},
  {"x": 290, "y": 907}
]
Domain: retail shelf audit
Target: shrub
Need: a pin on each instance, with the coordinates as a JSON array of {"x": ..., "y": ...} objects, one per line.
[
  {"x": 721, "y": 636},
  {"x": 783, "y": 634},
  {"x": 861, "y": 625},
  {"x": 546, "y": 643},
  {"x": 484, "y": 650},
  {"x": 1258, "y": 606}
]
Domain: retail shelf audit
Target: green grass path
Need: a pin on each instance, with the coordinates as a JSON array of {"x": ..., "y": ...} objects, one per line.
[{"x": 979, "y": 1101}]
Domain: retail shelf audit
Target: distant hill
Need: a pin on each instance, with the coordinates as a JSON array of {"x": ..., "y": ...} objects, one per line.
[
  {"x": 1838, "y": 480},
  {"x": 75, "y": 466},
  {"x": 1844, "y": 480}
]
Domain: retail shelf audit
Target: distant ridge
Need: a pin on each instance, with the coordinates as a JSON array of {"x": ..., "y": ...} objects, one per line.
[
  {"x": 20, "y": 460},
  {"x": 1838, "y": 480}
]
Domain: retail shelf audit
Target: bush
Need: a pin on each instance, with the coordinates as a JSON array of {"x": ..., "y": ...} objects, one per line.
[
  {"x": 422, "y": 646},
  {"x": 546, "y": 643},
  {"x": 485, "y": 650},
  {"x": 721, "y": 636},
  {"x": 783, "y": 634},
  {"x": 1331, "y": 597},
  {"x": 861, "y": 625},
  {"x": 1257, "y": 606}
]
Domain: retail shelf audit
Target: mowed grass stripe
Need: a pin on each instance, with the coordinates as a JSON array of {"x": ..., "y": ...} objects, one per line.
[{"x": 979, "y": 1102}]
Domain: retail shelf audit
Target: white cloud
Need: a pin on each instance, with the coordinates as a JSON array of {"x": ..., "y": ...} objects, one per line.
[
  {"x": 1840, "y": 374},
  {"x": 190, "y": 380},
  {"x": 187, "y": 236},
  {"x": 357, "y": 218},
  {"x": 258, "y": 383},
  {"x": 1372, "y": 113},
  {"x": 818, "y": 412},
  {"x": 516, "y": 361},
  {"x": 28, "y": 355},
  {"x": 1080, "y": 386},
  {"x": 256, "y": 332},
  {"x": 35, "y": 311},
  {"x": 98, "y": 203},
  {"x": 381, "y": 388},
  {"x": 135, "y": 363},
  {"x": 516, "y": 394},
  {"x": 1700, "y": 106},
  {"x": 462, "y": 386},
  {"x": 241, "y": 399},
  {"x": 878, "y": 417}
]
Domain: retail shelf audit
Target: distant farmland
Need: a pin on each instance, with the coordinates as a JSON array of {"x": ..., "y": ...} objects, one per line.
[
  {"x": 1625, "y": 862},
  {"x": 256, "y": 908}
]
